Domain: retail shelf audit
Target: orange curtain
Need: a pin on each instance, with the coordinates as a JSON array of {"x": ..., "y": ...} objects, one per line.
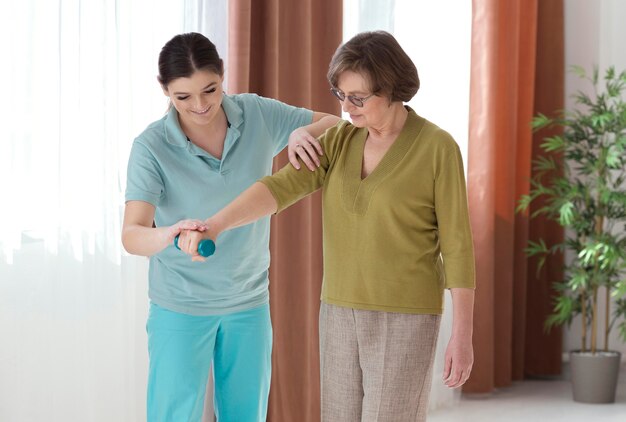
[
  {"x": 516, "y": 72},
  {"x": 281, "y": 49}
]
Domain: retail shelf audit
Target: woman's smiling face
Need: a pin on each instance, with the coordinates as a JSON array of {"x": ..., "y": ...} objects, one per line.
[{"x": 197, "y": 98}]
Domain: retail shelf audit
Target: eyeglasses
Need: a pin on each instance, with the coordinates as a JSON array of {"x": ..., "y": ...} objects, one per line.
[{"x": 357, "y": 101}]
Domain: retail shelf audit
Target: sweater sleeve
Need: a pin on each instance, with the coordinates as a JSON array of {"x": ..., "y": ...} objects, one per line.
[
  {"x": 451, "y": 209},
  {"x": 289, "y": 185}
]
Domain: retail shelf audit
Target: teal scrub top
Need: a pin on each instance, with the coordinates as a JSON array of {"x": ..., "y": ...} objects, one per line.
[{"x": 183, "y": 181}]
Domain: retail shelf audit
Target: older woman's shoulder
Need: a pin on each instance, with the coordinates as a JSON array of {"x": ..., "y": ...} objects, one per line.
[
  {"x": 438, "y": 137},
  {"x": 342, "y": 132},
  {"x": 345, "y": 129},
  {"x": 336, "y": 138}
]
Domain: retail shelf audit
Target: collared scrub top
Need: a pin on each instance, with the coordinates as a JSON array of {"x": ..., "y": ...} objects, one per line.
[{"x": 183, "y": 181}]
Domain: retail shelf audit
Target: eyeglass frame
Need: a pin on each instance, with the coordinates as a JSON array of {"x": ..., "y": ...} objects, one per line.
[{"x": 357, "y": 101}]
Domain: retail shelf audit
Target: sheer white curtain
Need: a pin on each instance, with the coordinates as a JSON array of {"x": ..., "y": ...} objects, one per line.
[
  {"x": 439, "y": 43},
  {"x": 79, "y": 83}
]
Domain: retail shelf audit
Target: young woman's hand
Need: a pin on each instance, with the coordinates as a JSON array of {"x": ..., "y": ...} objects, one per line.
[
  {"x": 176, "y": 229},
  {"x": 302, "y": 144}
]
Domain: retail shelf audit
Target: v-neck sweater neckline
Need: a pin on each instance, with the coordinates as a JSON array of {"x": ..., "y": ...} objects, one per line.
[{"x": 357, "y": 191}]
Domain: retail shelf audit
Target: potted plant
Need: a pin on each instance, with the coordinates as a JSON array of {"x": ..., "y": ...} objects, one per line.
[{"x": 580, "y": 177}]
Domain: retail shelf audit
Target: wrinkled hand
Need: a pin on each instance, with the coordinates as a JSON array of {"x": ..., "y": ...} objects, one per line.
[
  {"x": 175, "y": 229},
  {"x": 302, "y": 144},
  {"x": 458, "y": 361},
  {"x": 188, "y": 241}
]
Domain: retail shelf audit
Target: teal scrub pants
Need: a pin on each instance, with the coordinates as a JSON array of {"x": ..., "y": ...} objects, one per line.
[{"x": 181, "y": 349}]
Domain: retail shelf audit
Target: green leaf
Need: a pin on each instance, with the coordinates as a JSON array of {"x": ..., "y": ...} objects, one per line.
[
  {"x": 523, "y": 203},
  {"x": 578, "y": 70},
  {"x": 579, "y": 280},
  {"x": 614, "y": 157},
  {"x": 566, "y": 213},
  {"x": 610, "y": 73},
  {"x": 536, "y": 248},
  {"x": 553, "y": 143},
  {"x": 620, "y": 289},
  {"x": 540, "y": 121},
  {"x": 587, "y": 255},
  {"x": 563, "y": 312},
  {"x": 600, "y": 120},
  {"x": 543, "y": 163}
]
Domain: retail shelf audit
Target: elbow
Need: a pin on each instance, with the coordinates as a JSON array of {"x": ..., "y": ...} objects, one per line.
[
  {"x": 126, "y": 242},
  {"x": 332, "y": 120}
]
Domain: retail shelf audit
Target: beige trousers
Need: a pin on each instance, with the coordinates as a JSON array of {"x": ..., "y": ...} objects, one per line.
[{"x": 375, "y": 366}]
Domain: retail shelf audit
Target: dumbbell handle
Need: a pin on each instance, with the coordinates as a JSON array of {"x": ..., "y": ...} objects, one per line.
[{"x": 206, "y": 247}]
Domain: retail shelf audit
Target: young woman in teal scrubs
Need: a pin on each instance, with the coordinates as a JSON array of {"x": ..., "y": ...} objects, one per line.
[{"x": 204, "y": 152}]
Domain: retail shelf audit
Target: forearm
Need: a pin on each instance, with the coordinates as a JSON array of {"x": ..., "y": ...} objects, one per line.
[
  {"x": 463, "y": 312},
  {"x": 255, "y": 202},
  {"x": 144, "y": 241},
  {"x": 321, "y": 122}
]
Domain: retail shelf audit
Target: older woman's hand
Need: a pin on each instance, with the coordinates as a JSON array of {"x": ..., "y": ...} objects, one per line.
[
  {"x": 188, "y": 242},
  {"x": 188, "y": 224},
  {"x": 458, "y": 361},
  {"x": 302, "y": 144}
]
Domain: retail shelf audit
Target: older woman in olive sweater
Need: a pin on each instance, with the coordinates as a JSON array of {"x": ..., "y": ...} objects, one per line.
[{"x": 396, "y": 234}]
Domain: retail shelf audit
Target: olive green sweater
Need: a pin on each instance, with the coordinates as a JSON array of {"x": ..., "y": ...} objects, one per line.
[{"x": 394, "y": 240}]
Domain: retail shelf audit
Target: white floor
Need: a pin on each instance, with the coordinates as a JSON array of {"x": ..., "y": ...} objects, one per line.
[{"x": 535, "y": 400}]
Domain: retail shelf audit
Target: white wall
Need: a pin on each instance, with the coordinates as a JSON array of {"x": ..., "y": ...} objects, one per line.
[{"x": 594, "y": 36}]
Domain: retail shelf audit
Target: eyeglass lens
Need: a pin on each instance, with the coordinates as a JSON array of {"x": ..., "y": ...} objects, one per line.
[{"x": 341, "y": 96}]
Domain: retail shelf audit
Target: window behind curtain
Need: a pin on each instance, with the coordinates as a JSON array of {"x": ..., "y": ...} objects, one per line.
[{"x": 79, "y": 84}]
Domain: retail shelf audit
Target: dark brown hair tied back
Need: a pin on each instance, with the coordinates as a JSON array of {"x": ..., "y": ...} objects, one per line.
[{"x": 185, "y": 54}]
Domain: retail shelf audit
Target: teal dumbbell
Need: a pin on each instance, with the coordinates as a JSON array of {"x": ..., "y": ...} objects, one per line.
[{"x": 206, "y": 247}]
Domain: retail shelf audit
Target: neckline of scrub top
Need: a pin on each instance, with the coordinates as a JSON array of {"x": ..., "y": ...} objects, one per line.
[{"x": 234, "y": 116}]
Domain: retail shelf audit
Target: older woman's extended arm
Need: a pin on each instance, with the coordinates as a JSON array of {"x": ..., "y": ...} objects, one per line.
[
  {"x": 255, "y": 202},
  {"x": 268, "y": 196}
]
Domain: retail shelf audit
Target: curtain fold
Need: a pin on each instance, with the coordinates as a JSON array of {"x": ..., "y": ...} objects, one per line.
[
  {"x": 515, "y": 73},
  {"x": 543, "y": 354},
  {"x": 281, "y": 49}
]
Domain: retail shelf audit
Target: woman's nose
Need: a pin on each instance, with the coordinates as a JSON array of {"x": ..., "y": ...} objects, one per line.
[{"x": 346, "y": 105}]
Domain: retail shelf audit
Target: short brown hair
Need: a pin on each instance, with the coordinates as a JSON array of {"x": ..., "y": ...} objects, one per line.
[{"x": 379, "y": 58}]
